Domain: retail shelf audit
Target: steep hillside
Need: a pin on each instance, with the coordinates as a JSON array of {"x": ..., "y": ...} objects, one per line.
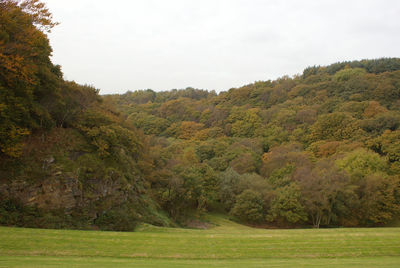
[{"x": 67, "y": 157}]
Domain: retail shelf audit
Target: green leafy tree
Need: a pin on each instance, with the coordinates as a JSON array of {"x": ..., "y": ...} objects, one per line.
[
  {"x": 361, "y": 162},
  {"x": 248, "y": 207},
  {"x": 334, "y": 126},
  {"x": 286, "y": 207},
  {"x": 228, "y": 187}
]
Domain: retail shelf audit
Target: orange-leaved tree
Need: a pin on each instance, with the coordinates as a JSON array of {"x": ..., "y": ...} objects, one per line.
[{"x": 28, "y": 79}]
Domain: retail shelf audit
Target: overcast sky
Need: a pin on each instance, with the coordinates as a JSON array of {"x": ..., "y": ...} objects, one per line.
[{"x": 125, "y": 45}]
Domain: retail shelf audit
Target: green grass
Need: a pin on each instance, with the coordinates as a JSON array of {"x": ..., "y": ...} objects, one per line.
[{"x": 227, "y": 245}]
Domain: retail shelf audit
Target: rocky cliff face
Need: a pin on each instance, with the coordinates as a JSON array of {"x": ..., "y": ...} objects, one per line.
[
  {"x": 64, "y": 192},
  {"x": 56, "y": 177},
  {"x": 51, "y": 193}
]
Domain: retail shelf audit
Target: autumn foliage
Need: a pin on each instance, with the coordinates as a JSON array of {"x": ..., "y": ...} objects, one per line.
[{"x": 317, "y": 149}]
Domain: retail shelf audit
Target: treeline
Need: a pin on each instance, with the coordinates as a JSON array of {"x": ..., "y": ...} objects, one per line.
[
  {"x": 317, "y": 149},
  {"x": 321, "y": 148}
]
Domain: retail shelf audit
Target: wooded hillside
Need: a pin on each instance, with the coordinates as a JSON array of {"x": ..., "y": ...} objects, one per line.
[
  {"x": 317, "y": 149},
  {"x": 321, "y": 148}
]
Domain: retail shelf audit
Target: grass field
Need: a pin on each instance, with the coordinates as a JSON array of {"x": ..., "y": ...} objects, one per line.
[{"x": 226, "y": 245}]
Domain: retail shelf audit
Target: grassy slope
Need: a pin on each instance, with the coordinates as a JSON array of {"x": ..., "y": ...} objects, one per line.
[{"x": 227, "y": 245}]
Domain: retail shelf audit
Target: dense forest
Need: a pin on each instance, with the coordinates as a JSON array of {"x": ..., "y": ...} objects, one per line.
[{"x": 321, "y": 148}]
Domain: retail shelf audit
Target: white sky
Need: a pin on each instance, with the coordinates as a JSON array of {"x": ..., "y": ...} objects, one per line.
[{"x": 125, "y": 45}]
